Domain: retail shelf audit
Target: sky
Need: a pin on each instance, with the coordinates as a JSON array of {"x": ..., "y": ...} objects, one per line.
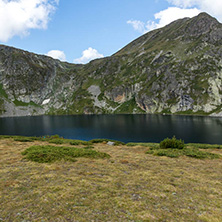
[{"x": 78, "y": 31}]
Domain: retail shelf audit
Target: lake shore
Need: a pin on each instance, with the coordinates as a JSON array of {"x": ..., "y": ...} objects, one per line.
[{"x": 129, "y": 186}]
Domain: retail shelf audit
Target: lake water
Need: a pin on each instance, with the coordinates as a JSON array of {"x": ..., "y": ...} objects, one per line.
[{"x": 126, "y": 128}]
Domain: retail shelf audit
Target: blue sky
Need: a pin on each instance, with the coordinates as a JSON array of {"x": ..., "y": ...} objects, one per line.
[{"x": 96, "y": 27}]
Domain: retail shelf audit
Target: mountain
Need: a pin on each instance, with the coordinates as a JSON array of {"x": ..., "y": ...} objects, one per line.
[{"x": 176, "y": 69}]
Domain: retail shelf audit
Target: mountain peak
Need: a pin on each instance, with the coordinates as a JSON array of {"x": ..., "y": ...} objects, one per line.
[
  {"x": 201, "y": 24},
  {"x": 205, "y": 15}
]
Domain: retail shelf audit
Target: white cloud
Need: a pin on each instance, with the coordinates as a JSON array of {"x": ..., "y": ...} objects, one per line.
[
  {"x": 163, "y": 18},
  {"x": 57, "y": 54},
  {"x": 88, "y": 55},
  {"x": 213, "y": 7},
  {"x": 137, "y": 25},
  {"x": 183, "y": 8},
  {"x": 17, "y": 17},
  {"x": 173, "y": 13}
]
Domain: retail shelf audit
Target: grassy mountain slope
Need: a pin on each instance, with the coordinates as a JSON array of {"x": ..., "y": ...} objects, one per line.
[{"x": 175, "y": 69}]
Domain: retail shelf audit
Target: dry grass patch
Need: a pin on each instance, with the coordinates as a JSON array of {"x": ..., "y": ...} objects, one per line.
[{"x": 129, "y": 186}]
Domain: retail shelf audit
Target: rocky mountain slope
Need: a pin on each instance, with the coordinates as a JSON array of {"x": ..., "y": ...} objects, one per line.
[{"x": 176, "y": 69}]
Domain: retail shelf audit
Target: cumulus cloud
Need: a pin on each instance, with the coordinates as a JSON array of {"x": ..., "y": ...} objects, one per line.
[
  {"x": 213, "y": 7},
  {"x": 171, "y": 14},
  {"x": 17, "y": 17},
  {"x": 163, "y": 18},
  {"x": 57, "y": 54},
  {"x": 88, "y": 55},
  {"x": 179, "y": 9}
]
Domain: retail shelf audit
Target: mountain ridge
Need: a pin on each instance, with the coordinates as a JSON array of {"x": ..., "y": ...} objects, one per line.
[{"x": 176, "y": 69}]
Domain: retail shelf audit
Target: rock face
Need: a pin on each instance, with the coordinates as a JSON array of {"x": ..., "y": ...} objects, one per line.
[{"x": 176, "y": 69}]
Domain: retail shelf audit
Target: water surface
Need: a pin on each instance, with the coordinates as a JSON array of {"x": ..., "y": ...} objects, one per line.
[{"x": 126, "y": 128}]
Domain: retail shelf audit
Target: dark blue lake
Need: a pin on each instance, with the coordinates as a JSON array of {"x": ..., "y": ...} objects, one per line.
[{"x": 126, "y": 128}]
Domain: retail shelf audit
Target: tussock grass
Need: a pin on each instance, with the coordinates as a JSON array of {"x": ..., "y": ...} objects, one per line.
[{"x": 49, "y": 154}]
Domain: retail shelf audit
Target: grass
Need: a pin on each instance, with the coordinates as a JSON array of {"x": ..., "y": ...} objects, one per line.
[
  {"x": 50, "y": 154},
  {"x": 189, "y": 151},
  {"x": 128, "y": 186},
  {"x": 173, "y": 153},
  {"x": 55, "y": 139},
  {"x": 204, "y": 146},
  {"x": 175, "y": 148}
]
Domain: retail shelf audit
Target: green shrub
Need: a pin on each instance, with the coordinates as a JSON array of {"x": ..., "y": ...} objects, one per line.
[
  {"x": 80, "y": 142},
  {"x": 190, "y": 152},
  {"x": 5, "y": 137},
  {"x": 204, "y": 146},
  {"x": 50, "y": 154},
  {"x": 195, "y": 153},
  {"x": 172, "y": 143},
  {"x": 143, "y": 144},
  {"x": 57, "y": 141},
  {"x": 23, "y": 139},
  {"x": 88, "y": 147},
  {"x": 173, "y": 153}
]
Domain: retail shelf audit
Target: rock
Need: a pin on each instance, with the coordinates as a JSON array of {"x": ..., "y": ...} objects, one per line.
[{"x": 110, "y": 143}]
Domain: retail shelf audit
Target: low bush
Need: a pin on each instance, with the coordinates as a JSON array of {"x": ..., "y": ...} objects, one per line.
[
  {"x": 50, "y": 154},
  {"x": 88, "y": 147},
  {"x": 195, "y": 153},
  {"x": 57, "y": 141},
  {"x": 23, "y": 139},
  {"x": 79, "y": 142},
  {"x": 190, "y": 152},
  {"x": 5, "y": 137},
  {"x": 204, "y": 146},
  {"x": 143, "y": 144},
  {"x": 172, "y": 143}
]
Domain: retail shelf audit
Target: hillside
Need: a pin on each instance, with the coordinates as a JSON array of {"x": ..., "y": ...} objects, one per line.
[{"x": 176, "y": 69}]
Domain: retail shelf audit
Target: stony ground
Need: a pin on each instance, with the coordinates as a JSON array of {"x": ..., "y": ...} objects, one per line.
[{"x": 130, "y": 186}]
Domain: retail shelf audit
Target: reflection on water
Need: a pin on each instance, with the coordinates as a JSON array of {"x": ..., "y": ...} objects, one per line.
[{"x": 140, "y": 128}]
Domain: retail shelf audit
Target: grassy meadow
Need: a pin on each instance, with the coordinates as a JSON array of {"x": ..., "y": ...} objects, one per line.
[{"x": 55, "y": 179}]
